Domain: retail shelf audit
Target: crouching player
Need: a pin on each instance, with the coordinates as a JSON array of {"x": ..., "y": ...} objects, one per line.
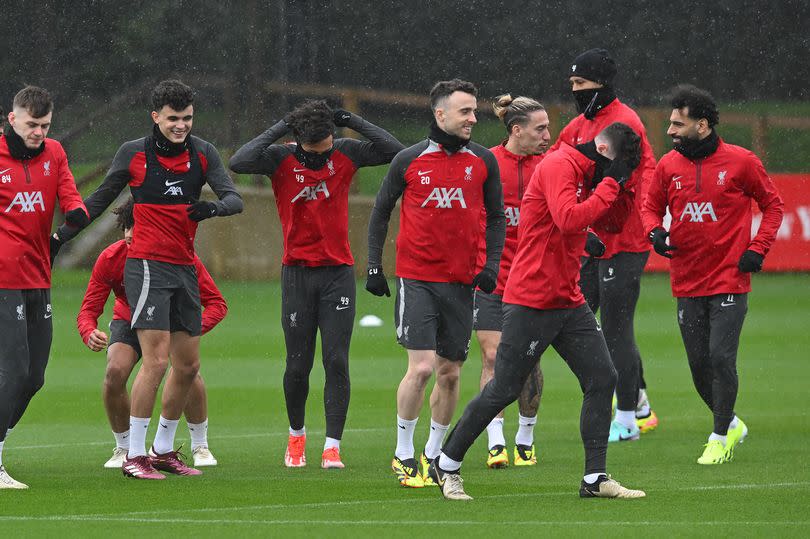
[{"x": 124, "y": 351}]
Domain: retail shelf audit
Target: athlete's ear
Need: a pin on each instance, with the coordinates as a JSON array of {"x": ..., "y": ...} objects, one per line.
[
  {"x": 11, "y": 117},
  {"x": 602, "y": 148},
  {"x": 155, "y": 116}
]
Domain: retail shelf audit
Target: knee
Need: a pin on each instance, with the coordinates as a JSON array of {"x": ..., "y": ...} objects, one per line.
[
  {"x": 448, "y": 378},
  {"x": 421, "y": 373},
  {"x": 115, "y": 379},
  {"x": 188, "y": 370},
  {"x": 488, "y": 355},
  {"x": 604, "y": 378}
]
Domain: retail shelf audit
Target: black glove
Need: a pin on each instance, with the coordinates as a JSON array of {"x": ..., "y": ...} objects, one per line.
[
  {"x": 750, "y": 262},
  {"x": 56, "y": 244},
  {"x": 658, "y": 237},
  {"x": 619, "y": 171},
  {"x": 486, "y": 280},
  {"x": 341, "y": 117},
  {"x": 593, "y": 245},
  {"x": 77, "y": 218},
  {"x": 376, "y": 283},
  {"x": 202, "y": 209}
]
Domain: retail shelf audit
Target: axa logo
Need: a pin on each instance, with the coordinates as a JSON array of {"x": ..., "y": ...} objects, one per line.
[
  {"x": 311, "y": 193},
  {"x": 512, "y": 215},
  {"x": 46, "y": 168},
  {"x": 27, "y": 201},
  {"x": 697, "y": 212},
  {"x": 174, "y": 191},
  {"x": 444, "y": 197}
]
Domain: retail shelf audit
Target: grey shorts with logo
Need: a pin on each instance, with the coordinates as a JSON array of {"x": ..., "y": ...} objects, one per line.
[
  {"x": 163, "y": 296},
  {"x": 434, "y": 316},
  {"x": 120, "y": 331},
  {"x": 487, "y": 312}
]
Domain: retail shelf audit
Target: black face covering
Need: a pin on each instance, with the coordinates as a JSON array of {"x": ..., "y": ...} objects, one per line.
[
  {"x": 312, "y": 160},
  {"x": 693, "y": 148},
  {"x": 592, "y": 100},
  {"x": 164, "y": 146},
  {"x": 449, "y": 142},
  {"x": 17, "y": 147},
  {"x": 588, "y": 149}
]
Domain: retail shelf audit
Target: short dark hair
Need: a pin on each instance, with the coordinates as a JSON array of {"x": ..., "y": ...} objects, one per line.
[
  {"x": 125, "y": 216},
  {"x": 37, "y": 101},
  {"x": 624, "y": 142},
  {"x": 445, "y": 88},
  {"x": 311, "y": 121},
  {"x": 699, "y": 103},
  {"x": 173, "y": 93}
]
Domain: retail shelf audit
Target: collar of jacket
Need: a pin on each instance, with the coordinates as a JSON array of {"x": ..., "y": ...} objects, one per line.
[{"x": 16, "y": 145}]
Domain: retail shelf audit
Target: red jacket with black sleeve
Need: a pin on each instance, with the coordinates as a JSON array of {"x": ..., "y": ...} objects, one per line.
[
  {"x": 442, "y": 197},
  {"x": 554, "y": 220},
  {"x": 515, "y": 170},
  {"x": 29, "y": 192},
  {"x": 621, "y": 229},
  {"x": 108, "y": 275},
  {"x": 164, "y": 232},
  {"x": 313, "y": 205},
  {"x": 709, "y": 200}
]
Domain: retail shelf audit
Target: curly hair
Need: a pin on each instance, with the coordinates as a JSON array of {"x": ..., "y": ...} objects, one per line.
[
  {"x": 444, "y": 88},
  {"x": 125, "y": 217},
  {"x": 173, "y": 93},
  {"x": 311, "y": 121},
  {"x": 699, "y": 103},
  {"x": 625, "y": 143}
]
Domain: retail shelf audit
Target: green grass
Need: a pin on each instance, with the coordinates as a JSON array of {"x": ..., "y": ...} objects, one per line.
[{"x": 64, "y": 439}]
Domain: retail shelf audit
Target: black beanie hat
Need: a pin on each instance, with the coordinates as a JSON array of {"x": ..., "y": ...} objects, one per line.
[{"x": 595, "y": 65}]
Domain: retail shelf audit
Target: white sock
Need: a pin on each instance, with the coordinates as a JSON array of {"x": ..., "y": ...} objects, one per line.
[
  {"x": 626, "y": 417},
  {"x": 298, "y": 432},
  {"x": 525, "y": 433},
  {"x": 122, "y": 439},
  {"x": 330, "y": 443},
  {"x": 137, "y": 436},
  {"x": 447, "y": 464},
  {"x": 715, "y": 436},
  {"x": 434, "y": 443},
  {"x": 1, "y": 451},
  {"x": 643, "y": 406},
  {"x": 405, "y": 428},
  {"x": 198, "y": 433},
  {"x": 591, "y": 478},
  {"x": 164, "y": 437},
  {"x": 733, "y": 425},
  {"x": 495, "y": 432}
]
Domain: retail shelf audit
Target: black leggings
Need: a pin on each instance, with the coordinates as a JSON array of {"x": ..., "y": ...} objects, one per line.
[
  {"x": 26, "y": 332},
  {"x": 611, "y": 287},
  {"x": 526, "y": 334},
  {"x": 314, "y": 298},
  {"x": 710, "y": 328}
]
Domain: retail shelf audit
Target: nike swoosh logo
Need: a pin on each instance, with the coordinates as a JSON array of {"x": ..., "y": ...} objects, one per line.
[
  {"x": 675, "y": 178},
  {"x": 341, "y": 307},
  {"x": 125, "y": 436},
  {"x": 724, "y": 304},
  {"x": 402, "y": 427},
  {"x": 169, "y": 184},
  {"x": 48, "y": 315},
  {"x": 164, "y": 426},
  {"x": 299, "y": 169},
  {"x": 606, "y": 279},
  {"x": 419, "y": 172},
  {"x": 4, "y": 171}
]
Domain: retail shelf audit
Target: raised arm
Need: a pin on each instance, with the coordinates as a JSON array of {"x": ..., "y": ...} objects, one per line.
[{"x": 261, "y": 155}]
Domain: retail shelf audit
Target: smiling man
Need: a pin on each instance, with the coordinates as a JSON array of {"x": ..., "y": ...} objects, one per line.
[
  {"x": 34, "y": 175},
  {"x": 165, "y": 173},
  {"x": 445, "y": 182}
]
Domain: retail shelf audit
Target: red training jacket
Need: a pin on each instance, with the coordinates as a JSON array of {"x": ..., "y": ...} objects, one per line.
[
  {"x": 28, "y": 194},
  {"x": 628, "y": 236},
  {"x": 108, "y": 274},
  {"x": 710, "y": 203},
  {"x": 553, "y": 228}
]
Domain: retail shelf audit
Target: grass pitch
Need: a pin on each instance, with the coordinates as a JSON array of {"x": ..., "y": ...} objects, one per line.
[{"x": 62, "y": 442}]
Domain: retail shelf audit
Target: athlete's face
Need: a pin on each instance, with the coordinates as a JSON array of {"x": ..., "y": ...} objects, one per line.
[
  {"x": 578, "y": 83},
  {"x": 456, "y": 114},
  {"x": 128, "y": 235},
  {"x": 533, "y": 138},
  {"x": 321, "y": 146},
  {"x": 682, "y": 127},
  {"x": 174, "y": 124},
  {"x": 32, "y": 130}
]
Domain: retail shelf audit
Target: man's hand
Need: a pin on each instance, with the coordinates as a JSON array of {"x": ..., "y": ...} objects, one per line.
[
  {"x": 56, "y": 244},
  {"x": 202, "y": 209},
  {"x": 341, "y": 117},
  {"x": 750, "y": 262},
  {"x": 376, "y": 283},
  {"x": 658, "y": 238},
  {"x": 619, "y": 171},
  {"x": 77, "y": 218},
  {"x": 97, "y": 341},
  {"x": 486, "y": 280},
  {"x": 593, "y": 245}
]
